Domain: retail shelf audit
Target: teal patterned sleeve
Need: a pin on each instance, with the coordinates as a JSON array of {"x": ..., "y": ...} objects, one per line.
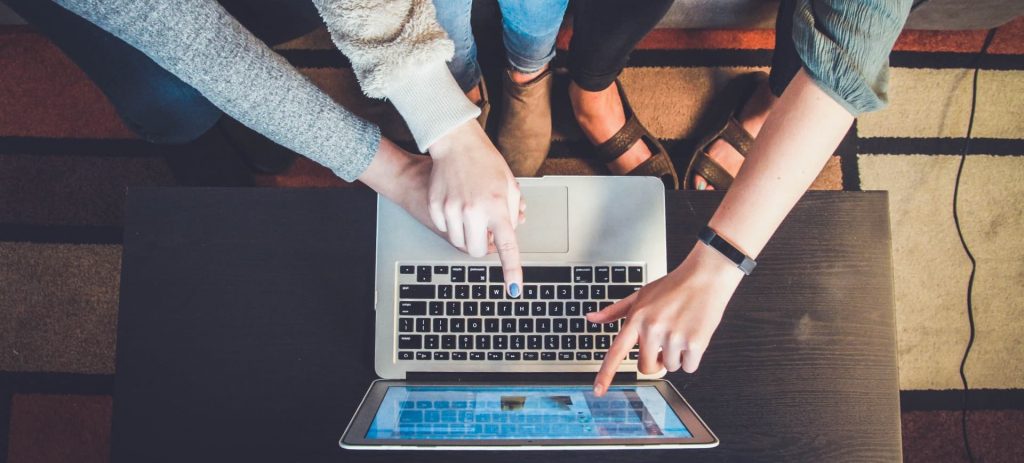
[{"x": 845, "y": 45}]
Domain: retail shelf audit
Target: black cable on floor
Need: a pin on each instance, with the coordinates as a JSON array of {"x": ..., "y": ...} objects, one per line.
[{"x": 967, "y": 250}]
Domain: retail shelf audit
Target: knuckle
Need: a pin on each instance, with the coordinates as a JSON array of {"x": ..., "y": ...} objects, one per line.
[{"x": 695, "y": 345}]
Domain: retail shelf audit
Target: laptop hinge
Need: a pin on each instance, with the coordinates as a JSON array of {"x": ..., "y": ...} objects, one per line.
[
  {"x": 512, "y": 378},
  {"x": 574, "y": 378}
]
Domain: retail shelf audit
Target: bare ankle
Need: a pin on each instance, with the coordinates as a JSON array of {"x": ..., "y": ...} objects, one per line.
[{"x": 522, "y": 78}]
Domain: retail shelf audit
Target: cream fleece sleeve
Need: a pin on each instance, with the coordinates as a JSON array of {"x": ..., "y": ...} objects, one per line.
[{"x": 398, "y": 51}]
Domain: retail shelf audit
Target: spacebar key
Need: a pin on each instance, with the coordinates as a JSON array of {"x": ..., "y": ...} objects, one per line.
[
  {"x": 547, "y": 274},
  {"x": 416, "y": 291}
]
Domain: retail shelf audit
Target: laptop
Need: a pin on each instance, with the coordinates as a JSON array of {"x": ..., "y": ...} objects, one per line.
[{"x": 445, "y": 326}]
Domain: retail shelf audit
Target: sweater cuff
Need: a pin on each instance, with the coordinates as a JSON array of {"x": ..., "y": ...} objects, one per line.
[{"x": 431, "y": 103}]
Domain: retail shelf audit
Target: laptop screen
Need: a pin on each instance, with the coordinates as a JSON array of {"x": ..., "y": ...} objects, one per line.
[{"x": 524, "y": 412}]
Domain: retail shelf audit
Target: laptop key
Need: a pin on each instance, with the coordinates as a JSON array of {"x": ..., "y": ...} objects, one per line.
[
  {"x": 525, "y": 325},
  {"x": 508, "y": 325},
  {"x": 461, "y": 291},
  {"x": 636, "y": 274},
  {"x": 465, "y": 342},
  {"x": 534, "y": 341},
  {"x": 441, "y": 356},
  {"x": 618, "y": 274},
  {"x": 586, "y": 342},
  {"x": 478, "y": 274},
  {"x": 423, "y": 274},
  {"x": 470, "y": 308},
  {"x": 405, "y": 325},
  {"x": 410, "y": 341},
  {"x": 453, "y": 309},
  {"x": 547, "y": 355},
  {"x": 581, "y": 292},
  {"x": 565, "y": 356},
  {"x": 444, "y": 291},
  {"x": 504, "y": 308},
  {"x": 406, "y": 269},
  {"x": 405, "y": 355},
  {"x": 543, "y": 325},
  {"x": 593, "y": 327},
  {"x": 431, "y": 341},
  {"x": 634, "y": 355},
  {"x": 572, "y": 309},
  {"x": 563, "y": 292},
  {"x": 589, "y": 306},
  {"x": 500, "y": 342},
  {"x": 512, "y": 356},
  {"x": 458, "y": 356},
  {"x": 496, "y": 292},
  {"x": 568, "y": 342},
  {"x": 476, "y": 355},
  {"x": 423, "y": 356},
  {"x": 479, "y": 292},
  {"x": 556, "y": 309},
  {"x": 621, "y": 291},
  {"x": 547, "y": 292},
  {"x": 483, "y": 342},
  {"x": 551, "y": 342},
  {"x": 604, "y": 342},
  {"x": 496, "y": 274},
  {"x": 577, "y": 325},
  {"x": 583, "y": 274},
  {"x": 530, "y": 292},
  {"x": 416, "y": 291},
  {"x": 457, "y": 325},
  {"x": 530, "y": 356},
  {"x": 517, "y": 342},
  {"x": 440, "y": 325},
  {"x": 412, "y": 308},
  {"x": 422, "y": 325},
  {"x": 522, "y": 309},
  {"x": 474, "y": 325},
  {"x": 436, "y": 308},
  {"x": 599, "y": 355},
  {"x": 494, "y": 356},
  {"x": 601, "y": 275},
  {"x": 458, "y": 274},
  {"x": 560, "y": 325},
  {"x": 491, "y": 325},
  {"x": 538, "y": 309},
  {"x": 448, "y": 341},
  {"x": 547, "y": 274},
  {"x": 597, "y": 292},
  {"x": 441, "y": 269},
  {"x": 583, "y": 356}
]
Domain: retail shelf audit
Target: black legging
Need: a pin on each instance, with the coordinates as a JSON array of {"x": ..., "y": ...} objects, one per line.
[{"x": 606, "y": 31}]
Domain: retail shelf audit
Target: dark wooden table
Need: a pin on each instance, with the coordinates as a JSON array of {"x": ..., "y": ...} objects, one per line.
[{"x": 246, "y": 327}]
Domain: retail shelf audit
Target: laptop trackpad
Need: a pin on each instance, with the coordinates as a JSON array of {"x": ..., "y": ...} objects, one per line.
[{"x": 547, "y": 219}]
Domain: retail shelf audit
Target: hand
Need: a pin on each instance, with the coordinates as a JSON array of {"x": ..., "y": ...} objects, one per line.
[
  {"x": 672, "y": 318},
  {"x": 474, "y": 198}
]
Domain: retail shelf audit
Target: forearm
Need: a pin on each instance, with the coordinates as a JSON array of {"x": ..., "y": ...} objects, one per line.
[
  {"x": 799, "y": 136},
  {"x": 204, "y": 46},
  {"x": 398, "y": 51}
]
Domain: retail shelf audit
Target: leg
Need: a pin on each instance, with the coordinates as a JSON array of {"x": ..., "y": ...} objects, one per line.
[
  {"x": 153, "y": 103},
  {"x": 529, "y": 30},
  {"x": 454, "y": 18},
  {"x": 604, "y": 33},
  {"x": 785, "y": 64}
]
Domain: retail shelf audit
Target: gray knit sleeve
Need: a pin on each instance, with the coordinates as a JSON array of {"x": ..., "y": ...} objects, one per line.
[
  {"x": 198, "y": 41},
  {"x": 845, "y": 45}
]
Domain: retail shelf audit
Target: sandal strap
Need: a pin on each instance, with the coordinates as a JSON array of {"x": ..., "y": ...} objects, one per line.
[
  {"x": 712, "y": 171},
  {"x": 735, "y": 135},
  {"x": 627, "y": 135},
  {"x": 659, "y": 165}
]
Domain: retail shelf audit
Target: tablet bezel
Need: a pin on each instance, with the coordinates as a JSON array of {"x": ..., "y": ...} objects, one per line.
[{"x": 355, "y": 432}]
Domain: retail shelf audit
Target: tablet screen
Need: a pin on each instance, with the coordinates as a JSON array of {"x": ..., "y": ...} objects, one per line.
[{"x": 524, "y": 412}]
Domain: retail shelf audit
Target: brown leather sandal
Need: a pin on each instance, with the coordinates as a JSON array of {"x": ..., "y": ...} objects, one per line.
[
  {"x": 726, "y": 127},
  {"x": 659, "y": 165}
]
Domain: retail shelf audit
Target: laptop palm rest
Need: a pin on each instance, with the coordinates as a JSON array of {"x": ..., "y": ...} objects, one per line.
[{"x": 547, "y": 220}]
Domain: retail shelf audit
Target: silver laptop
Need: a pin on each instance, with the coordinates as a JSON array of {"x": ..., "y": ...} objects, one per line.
[{"x": 587, "y": 242}]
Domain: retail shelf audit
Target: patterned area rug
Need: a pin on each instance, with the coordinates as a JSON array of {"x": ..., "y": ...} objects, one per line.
[{"x": 66, "y": 158}]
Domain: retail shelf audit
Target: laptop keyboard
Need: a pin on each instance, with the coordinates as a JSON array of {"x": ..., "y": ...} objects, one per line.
[{"x": 462, "y": 313}]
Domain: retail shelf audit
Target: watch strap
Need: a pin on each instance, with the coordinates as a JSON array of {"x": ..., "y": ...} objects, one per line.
[{"x": 711, "y": 238}]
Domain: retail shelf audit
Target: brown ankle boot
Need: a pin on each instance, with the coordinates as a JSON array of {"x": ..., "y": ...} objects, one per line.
[
  {"x": 524, "y": 136},
  {"x": 484, "y": 104}
]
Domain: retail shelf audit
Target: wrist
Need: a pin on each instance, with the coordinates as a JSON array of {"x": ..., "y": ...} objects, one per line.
[
  {"x": 713, "y": 264},
  {"x": 454, "y": 141}
]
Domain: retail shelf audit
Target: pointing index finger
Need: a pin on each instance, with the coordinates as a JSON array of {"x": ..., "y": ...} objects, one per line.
[
  {"x": 507, "y": 244},
  {"x": 616, "y": 354}
]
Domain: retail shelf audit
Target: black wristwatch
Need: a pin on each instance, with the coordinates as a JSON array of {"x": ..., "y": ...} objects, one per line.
[{"x": 711, "y": 238}]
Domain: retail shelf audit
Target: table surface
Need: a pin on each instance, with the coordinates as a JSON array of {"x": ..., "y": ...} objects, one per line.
[{"x": 246, "y": 332}]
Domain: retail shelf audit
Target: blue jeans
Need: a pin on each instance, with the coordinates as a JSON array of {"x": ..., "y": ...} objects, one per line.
[
  {"x": 153, "y": 103},
  {"x": 529, "y": 29}
]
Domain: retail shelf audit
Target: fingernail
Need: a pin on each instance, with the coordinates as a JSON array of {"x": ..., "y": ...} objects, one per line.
[
  {"x": 598, "y": 389},
  {"x": 701, "y": 185},
  {"x": 513, "y": 290}
]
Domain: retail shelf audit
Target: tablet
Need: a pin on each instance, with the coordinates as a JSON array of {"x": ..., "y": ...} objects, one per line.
[{"x": 485, "y": 416}]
